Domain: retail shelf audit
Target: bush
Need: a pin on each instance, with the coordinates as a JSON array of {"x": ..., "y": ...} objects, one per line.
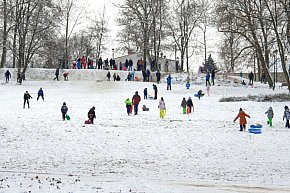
[{"x": 282, "y": 97}]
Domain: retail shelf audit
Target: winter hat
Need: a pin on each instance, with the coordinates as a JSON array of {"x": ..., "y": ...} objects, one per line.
[
  {"x": 241, "y": 109},
  {"x": 64, "y": 103},
  {"x": 286, "y": 107},
  {"x": 93, "y": 108},
  {"x": 136, "y": 92}
]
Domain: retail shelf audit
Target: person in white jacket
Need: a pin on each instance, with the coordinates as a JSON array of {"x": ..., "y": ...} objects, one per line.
[{"x": 162, "y": 108}]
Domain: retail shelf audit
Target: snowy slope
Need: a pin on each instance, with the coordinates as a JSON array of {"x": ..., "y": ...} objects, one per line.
[{"x": 202, "y": 152}]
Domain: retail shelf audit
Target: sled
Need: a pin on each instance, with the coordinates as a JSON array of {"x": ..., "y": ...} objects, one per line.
[
  {"x": 196, "y": 95},
  {"x": 255, "y": 130},
  {"x": 67, "y": 117}
]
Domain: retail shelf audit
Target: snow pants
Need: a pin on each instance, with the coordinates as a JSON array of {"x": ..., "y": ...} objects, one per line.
[
  {"x": 26, "y": 100},
  {"x": 184, "y": 110},
  {"x": 162, "y": 113},
  {"x": 242, "y": 127},
  {"x": 270, "y": 121}
]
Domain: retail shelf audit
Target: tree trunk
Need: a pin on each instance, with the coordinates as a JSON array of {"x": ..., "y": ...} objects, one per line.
[{"x": 4, "y": 43}]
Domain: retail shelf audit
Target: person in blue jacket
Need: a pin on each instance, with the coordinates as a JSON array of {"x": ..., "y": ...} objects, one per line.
[
  {"x": 207, "y": 76},
  {"x": 40, "y": 94},
  {"x": 63, "y": 110},
  {"x": 169, "y": 80}
]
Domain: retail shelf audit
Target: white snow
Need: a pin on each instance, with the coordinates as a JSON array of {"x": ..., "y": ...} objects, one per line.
[{"x": 201, "y": 152}]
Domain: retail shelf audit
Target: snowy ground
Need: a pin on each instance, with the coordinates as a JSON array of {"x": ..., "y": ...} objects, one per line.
[{"x": 202, "y": 152}]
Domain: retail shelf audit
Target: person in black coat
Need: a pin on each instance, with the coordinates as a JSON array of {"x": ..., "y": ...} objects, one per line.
[
  {"x": 212, "y": 76},
  {"x": 92, "y": 115},
  {"x": 145, "y": 93},
  {"x": 251, "y": 78},
  {"x": 189, "y": 105},
  {"x": 7, "y": 76},
  {"x": 155, "y": 91},
  {"x": 158, "y": 76},
  {"x": 26, "y": 98},
  {"x": 56, "y": 74},
  {"x": 63, "y": 110}
]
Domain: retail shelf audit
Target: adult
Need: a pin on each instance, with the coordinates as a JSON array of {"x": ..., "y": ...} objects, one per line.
[
  {"x": 148, "y": 75},
  {"x": 251, "y": 78},
  {"x": 169, "y": 81},
  {"x": 7, "y": 76},
  {"x": 83, "y": 61},
  {"x": 286, "y": 116},
  {"x": 63, "y": 110},
  {"x": 114, "y": 76},
  {"x": 189, "y": 105},
  {"x": 100, "y": 63},
  {"x": 155, "y": 91},
  {"x": 263, "y": 78},
  {"x": 92, "y": 115},
  {"x": 109, "y": 75},
  {"x": 212, "y": 76},
  {"x": 26, "y": 98},
  {"x": 243, "y": 121},
  {"x": 135, "y": 101},
  {"x": 144, "y": 75},
  {"x": 111, "y": 63},
  {"x": 56, "y": 74},
  {"x": 158, "y": 76},
  {"x": 106, "y": 64},
  {"x": 130, "y": 64},
  {"x": 162, "y": 108},
  {"x": 40, "y": 94}
]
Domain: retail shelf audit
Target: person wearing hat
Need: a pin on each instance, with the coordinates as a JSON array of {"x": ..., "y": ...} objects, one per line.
[
  {"x": 189, "y": 105},
  {"x": 270, "y": 115},
  {"x": 63, "y": 110},
  {"x": 135, "y": 101},
  {"x": 286, "y": 116},
  {"x": 26, "y": 98},
  {"x": 162, "y": 108},
  {"x": 243, "y": 121},
  {"x": 92, "y": 115},
  {"x": 40, "y": 94}
]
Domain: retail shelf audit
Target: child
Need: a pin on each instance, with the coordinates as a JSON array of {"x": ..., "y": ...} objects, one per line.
[
  {"x": 162, "y": 108},
  {"x": 189, "y": 105},
  {"x": 65, "y": 76},
  {"x": 40, "y": 94},
  {"x": 286, "y": 116},
  {"x": 145, "y": 93},
  {"x": 270, "y": 115},
  {"x": 63, "y": 110},
  {"x": 26, "y": 98},
  {"x": 128, "y": 105},
  {"x": 242, "y": 115},
  {"x": 200, "y": 94},
  {"x": 183, "y": 105}
]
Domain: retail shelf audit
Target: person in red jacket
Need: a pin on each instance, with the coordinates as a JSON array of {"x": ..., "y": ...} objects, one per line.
[
  {"x": 135, "y": 101},
  {"x": 83, "y": 60},
  {"x": 243, "y": 121}
]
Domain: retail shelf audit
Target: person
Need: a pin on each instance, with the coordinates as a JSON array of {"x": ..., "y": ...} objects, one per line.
[
  {"x": 263, "y": 78},
  {"x": 128, "y": 106},
  {"x": 270, "y": 115},
  {"x": 169, "y": 81},
  {"x": 244, "y": 83},
  {"x": 187, "y": 85},
  {"x": 155, "y": 91},
  {"x": 144, "y": 108},
  {"x": 135, "y": 101},
  {"x": 56, "y": 74},
  {"x": 65, "y": 76},
  {"x": 243, "y": 121},
  {"x": 145, "y": 93},
  {"x": 130, "y": 65},
  {"x": 148, "y": 75},
  {"x": 241, "y": 75},
  {"x": 26, "y": 98},
  {"x": 158, "y": 76},
  {"x": 286, "y": 116},
  {"x": 92, "y": 115},
  {"x": 129, "y": 77},
  {"x": 83, "y": 60},
  {"x": 109, "y": 75},
  {"x": 100, "y": 63},
  {"x": 199, "y": 94},
  {"x": 212, "y": 76},
  {"x": 63, "y": 110},
  {"x": 208, "y": 89},
  {"x": 40, "y": 94},
  {"x": 133, "y": 75},
  {"x": 7, "y": 76},
  {"x": 183, "y": 105},
  {"x": 162, "y": 108},
  {"x": 251, "y": 78},
  {"x": 189, "y": 105},
  {"x": 207, "y": 76},
  {"x": 118, "y": 78},
  {"x": 114, "y": 76}
]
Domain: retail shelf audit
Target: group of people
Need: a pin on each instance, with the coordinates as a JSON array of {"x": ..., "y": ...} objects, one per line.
[{"x": 65, "y": 75}]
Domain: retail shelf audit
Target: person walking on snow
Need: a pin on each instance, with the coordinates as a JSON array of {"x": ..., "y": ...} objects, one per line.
[
  {"x": 286, "y": 116},
  {"x": 145, "y": 93},
  {"x": 92, "y": 115},
  {"x": 162, "y": 108},
  {"x": 207, "y": 76},
  {"x": 7, "y": 76},
  {"x": 128, "y": 105},
  {"x": 56, "y": 74},
  {"x": 63, "y": 110},
  {"x": 243, "y": 121},
  {"x": 189, "y": 105},
  {"x": 270, "y": 115},
  {"x": 26, "y": 98},
  {"x": 155, "y": 91},
  {"x": 158, "y": 76},
  {"x": 40, "y": 94},
  {"x": 183, "y": 105},
  {"x": 135, "y": 101}
]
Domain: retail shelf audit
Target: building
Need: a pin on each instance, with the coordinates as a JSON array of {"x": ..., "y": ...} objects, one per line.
[{"x": 164, "y": 64}]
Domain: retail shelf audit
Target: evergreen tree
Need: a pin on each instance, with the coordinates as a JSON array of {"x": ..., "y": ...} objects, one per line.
[{"x": 210, "y": 64}]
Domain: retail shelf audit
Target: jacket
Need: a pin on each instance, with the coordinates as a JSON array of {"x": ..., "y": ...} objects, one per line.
[
  {"x": 91, "y": 114},
  {"x": 40, "y": 92},
  {"x": 136, "y": 99},
  {"x": 183, "y": 103},
  {"x": 270, "y": 113},
  {"x": 169, "y": 79},
  {"x": 128, "y": 102},
  {"x": 161, "y": 105},
  {"x": 189, "y": 103},
  {"x": 242, "y": 115},
  {"x": 286, "y": 114},
  {"x": 64, "y": 109},
  {"x": 26, "y": 96}
]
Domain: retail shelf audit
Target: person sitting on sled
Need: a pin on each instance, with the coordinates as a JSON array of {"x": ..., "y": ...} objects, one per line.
[{"x": 199, "y": 94}]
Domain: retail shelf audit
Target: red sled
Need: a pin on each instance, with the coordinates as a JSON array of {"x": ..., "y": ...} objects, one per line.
[{"x": 87, "y": 121}]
